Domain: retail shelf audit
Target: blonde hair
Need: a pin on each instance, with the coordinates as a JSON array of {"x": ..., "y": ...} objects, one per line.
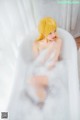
[{"x": 45, "y": 27}]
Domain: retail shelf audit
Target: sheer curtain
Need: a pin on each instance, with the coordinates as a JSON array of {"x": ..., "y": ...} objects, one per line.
[
  {"x": 19, "y": 17},
  {"x": 16, "y": 20},
  {"x": 67, "y": 15}
]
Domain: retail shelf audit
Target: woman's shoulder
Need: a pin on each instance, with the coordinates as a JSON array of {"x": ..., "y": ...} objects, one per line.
[
  {"x": 35, "y": 43},
  {"x": 38, "y": 43}
]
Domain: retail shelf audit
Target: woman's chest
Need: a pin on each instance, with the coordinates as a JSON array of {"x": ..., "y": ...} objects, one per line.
[{"x": 43, "y": 45}]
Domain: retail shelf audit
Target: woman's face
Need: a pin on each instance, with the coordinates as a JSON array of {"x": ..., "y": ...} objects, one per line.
[{"x": 52, "y": 35}]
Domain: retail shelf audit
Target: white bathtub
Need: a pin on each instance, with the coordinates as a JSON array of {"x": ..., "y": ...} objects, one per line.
[{"x": 69, "y": 54}]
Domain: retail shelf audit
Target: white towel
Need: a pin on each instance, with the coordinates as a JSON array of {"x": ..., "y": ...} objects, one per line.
[{"x": 54, "y": 75}]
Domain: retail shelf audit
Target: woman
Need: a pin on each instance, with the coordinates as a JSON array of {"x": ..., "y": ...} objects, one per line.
[
  {"x": 46, "y": 78},
  {"x": 48, "y": 39}
]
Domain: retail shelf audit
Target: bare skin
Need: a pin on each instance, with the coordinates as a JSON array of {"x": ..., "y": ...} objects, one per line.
[
  {"x": 40, "y": 45},
  {"x": 40, "y": 82}
]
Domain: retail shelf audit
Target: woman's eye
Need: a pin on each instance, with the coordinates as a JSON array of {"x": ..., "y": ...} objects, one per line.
[{"x": 50, "y": 33}]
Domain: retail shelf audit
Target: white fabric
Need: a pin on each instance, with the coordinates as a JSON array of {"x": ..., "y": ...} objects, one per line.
[
  {"x": 54, "y": 107},
  {"x": 69, "y": 55},
  {"x": 16, "y": 20},
  {"x": 58, "y": 73}
]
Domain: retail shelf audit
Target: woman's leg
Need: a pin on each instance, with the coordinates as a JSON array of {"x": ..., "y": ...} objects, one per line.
[{"x": 56, "y": 104}]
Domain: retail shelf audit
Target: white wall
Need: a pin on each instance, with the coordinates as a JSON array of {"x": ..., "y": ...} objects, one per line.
[{"x": 76, "y": 31}]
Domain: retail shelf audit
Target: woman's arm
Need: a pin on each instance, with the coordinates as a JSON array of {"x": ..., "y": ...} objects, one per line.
[
  {"x": 58, "y": 49},
  {"x": 57, "y": 52},
  {"x": 35, "y": 49},
  {"x": 50, "y": 48}
]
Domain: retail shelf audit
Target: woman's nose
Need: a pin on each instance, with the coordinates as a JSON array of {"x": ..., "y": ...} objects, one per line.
[{"x": 53, "y": 35}]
